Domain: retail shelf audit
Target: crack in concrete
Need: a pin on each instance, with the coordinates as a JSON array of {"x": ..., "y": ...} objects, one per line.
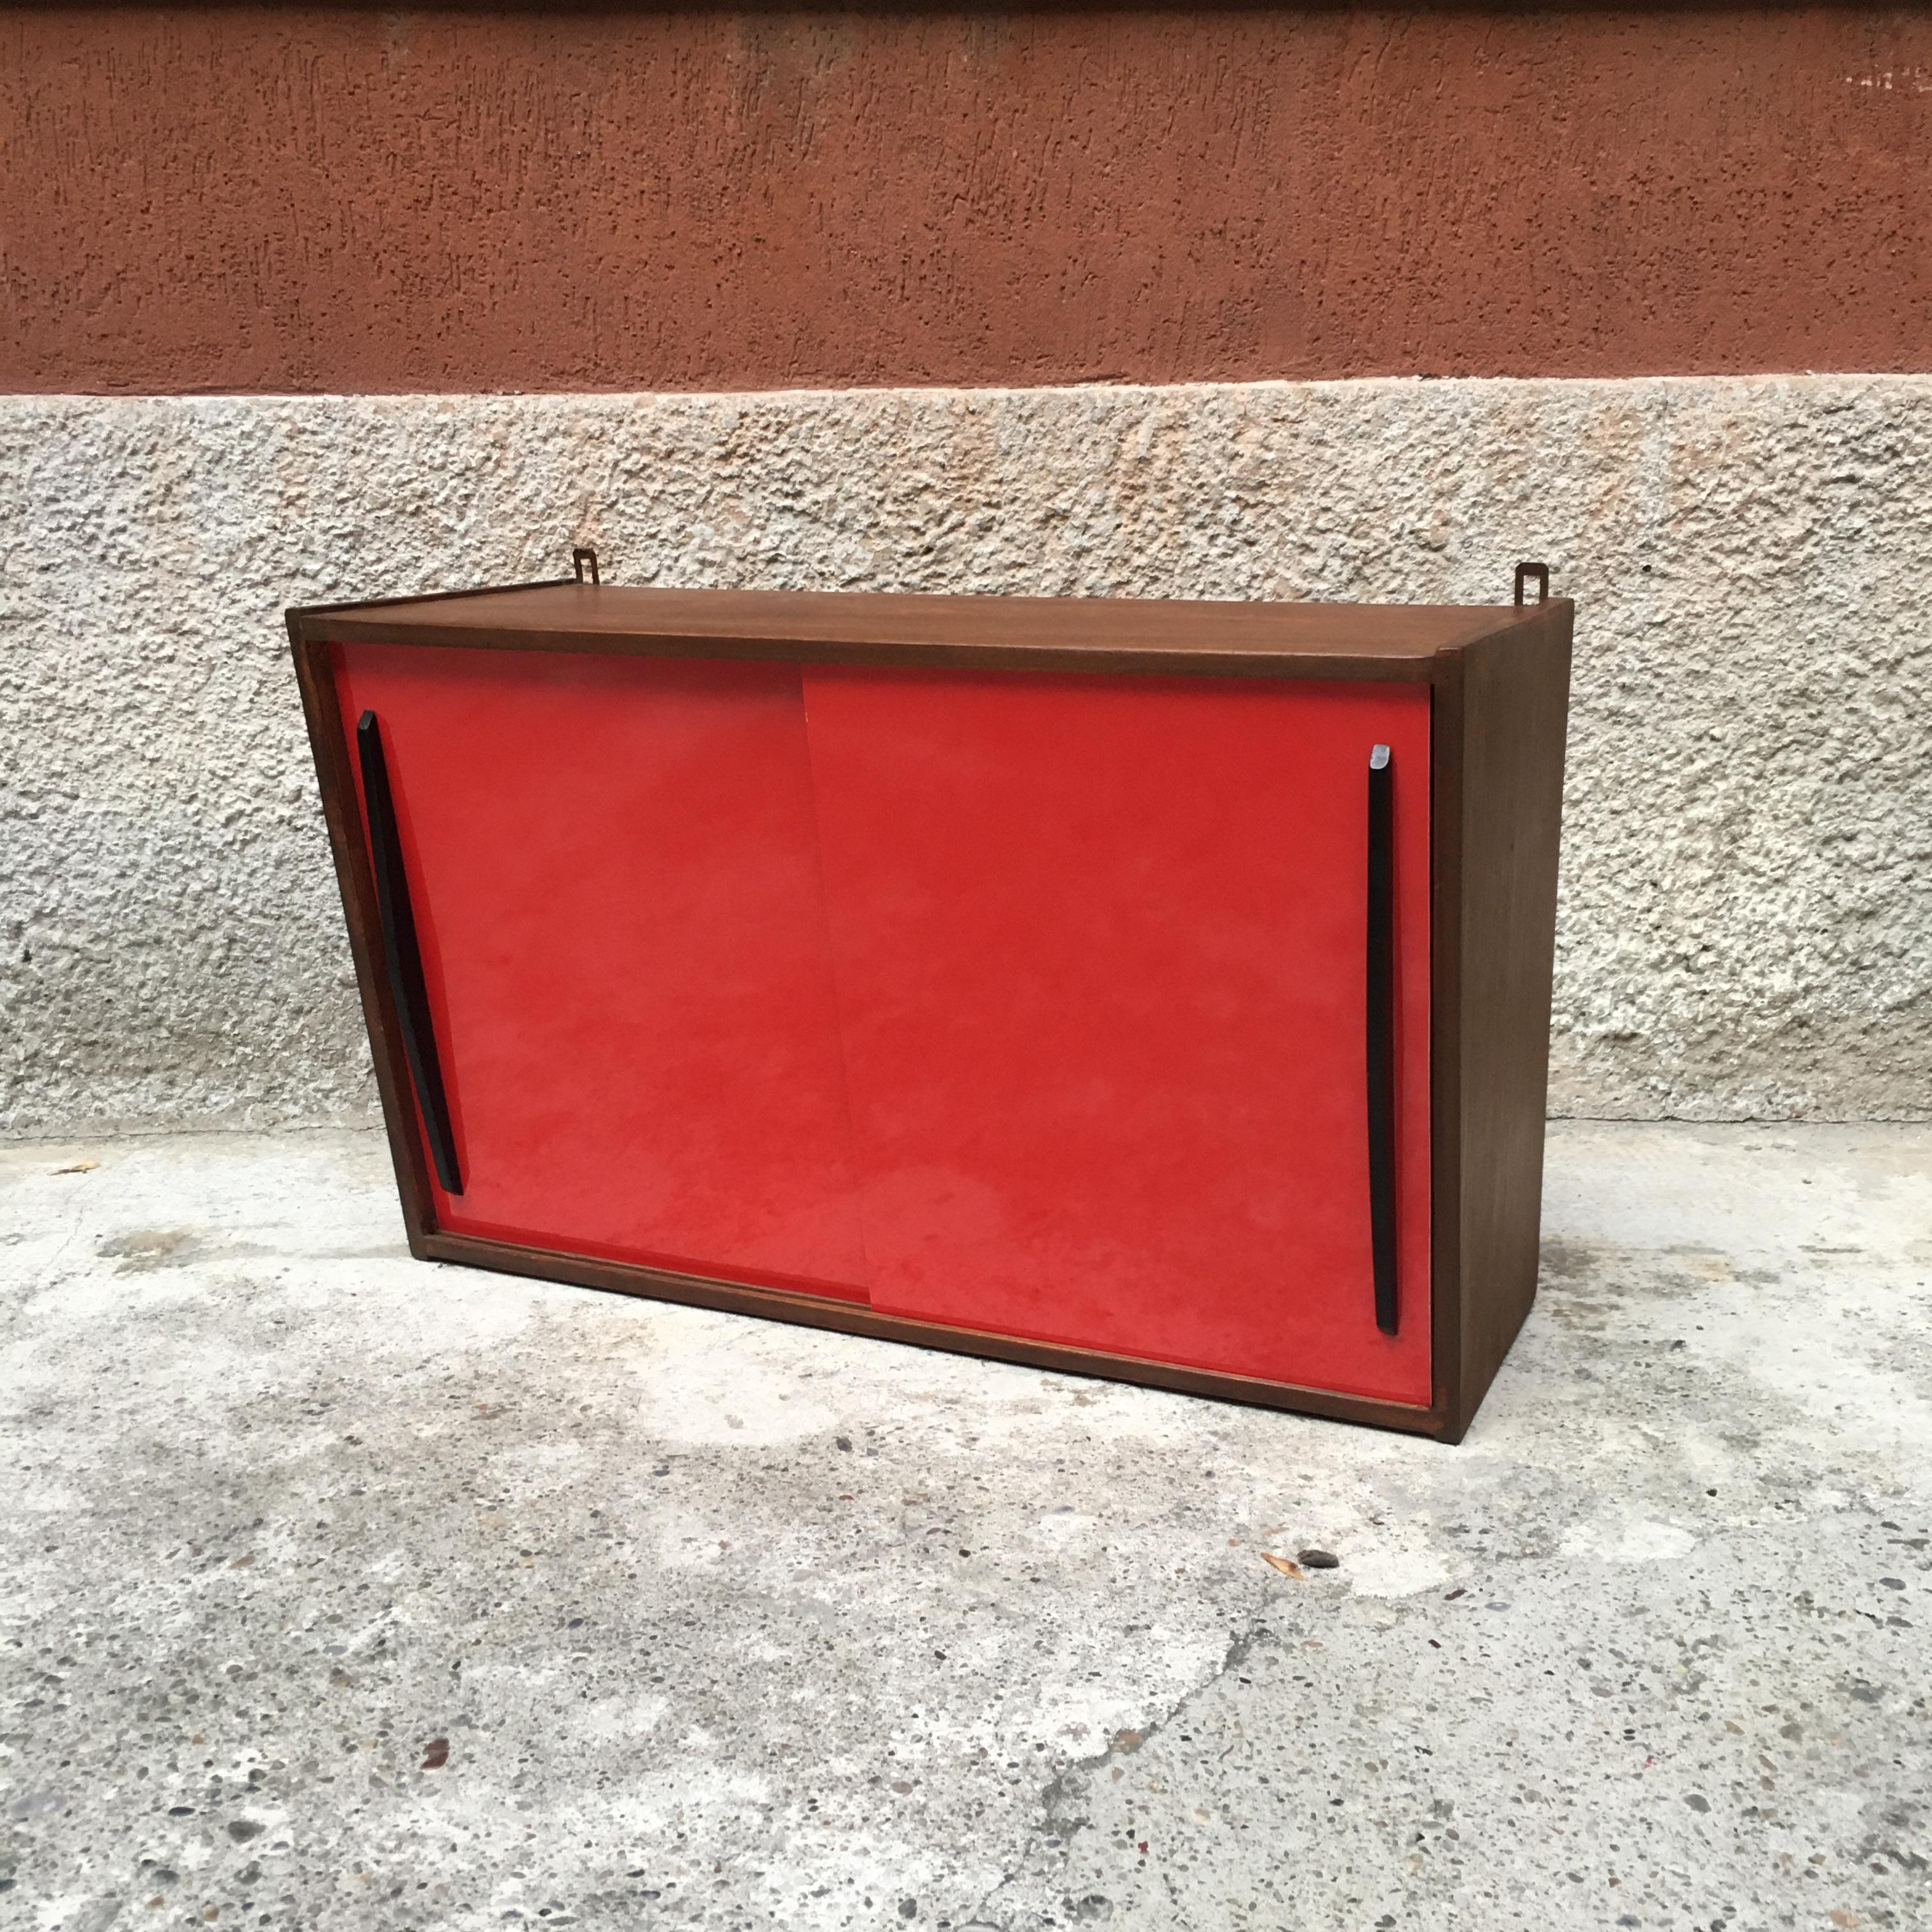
[
  {"x": 1069, "y": 1781},
  {"x": 50, "y": 1274}
]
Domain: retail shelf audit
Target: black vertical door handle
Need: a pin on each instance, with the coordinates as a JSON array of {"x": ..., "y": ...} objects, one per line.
[
  {"x": 402, "y": 958},
  {"x": 1381, "y": 1016}
]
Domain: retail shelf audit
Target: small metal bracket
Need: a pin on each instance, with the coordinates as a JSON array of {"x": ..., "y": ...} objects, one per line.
[
  {"x": 584, "y": 554},
  {"x": 1524, "y": 572}
]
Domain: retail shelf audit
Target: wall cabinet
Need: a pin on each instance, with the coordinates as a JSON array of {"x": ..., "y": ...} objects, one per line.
[{"x": 1153, "y": 989}]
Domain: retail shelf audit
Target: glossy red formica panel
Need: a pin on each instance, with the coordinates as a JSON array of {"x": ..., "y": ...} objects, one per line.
[
  {"x": 614, "y": 868},
  {"x": 1100, "y": 952}
]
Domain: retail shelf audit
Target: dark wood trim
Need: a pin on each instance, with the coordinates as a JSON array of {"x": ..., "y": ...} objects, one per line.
[
  {"x": 852, "y": 1318},
  {"x": 1331, "y": 667},
  {"x": 1516, "y": 704},
  {"x": 306, "y": 621},
  {"x": 1143, "y": 637},
  {"x": 354, "y": 877},
  {"x": 1445, "y": 1039}
]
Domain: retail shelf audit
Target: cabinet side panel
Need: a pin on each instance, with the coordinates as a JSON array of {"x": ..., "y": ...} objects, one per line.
[
  {"x": 342, "y": 813},
  {"x": 1516, "y": 704}
]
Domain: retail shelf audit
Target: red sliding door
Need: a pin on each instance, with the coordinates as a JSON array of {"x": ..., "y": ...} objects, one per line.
[
  {"x": 1099, "y": 948},
  {"x": 1022, "y": 1003},
  {"x": 612, "y": 867}
]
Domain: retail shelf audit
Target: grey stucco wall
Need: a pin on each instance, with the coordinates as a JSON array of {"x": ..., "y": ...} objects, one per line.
[{"x": 1746, "y": 927}]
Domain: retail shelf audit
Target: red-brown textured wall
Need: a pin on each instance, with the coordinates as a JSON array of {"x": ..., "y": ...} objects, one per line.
[{"x": 305, "y": 199}]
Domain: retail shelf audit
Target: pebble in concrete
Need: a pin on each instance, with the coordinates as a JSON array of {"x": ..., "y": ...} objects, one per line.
[{"x": 345, "y": 1591}]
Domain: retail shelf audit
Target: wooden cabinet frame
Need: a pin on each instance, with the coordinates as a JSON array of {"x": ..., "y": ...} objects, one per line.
[{"x": 1498, "y": 682}]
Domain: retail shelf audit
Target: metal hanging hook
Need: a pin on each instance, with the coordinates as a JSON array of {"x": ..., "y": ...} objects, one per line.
[
  {"x": 584, "y": 554},
  {"x": 1524, "y": 572}
]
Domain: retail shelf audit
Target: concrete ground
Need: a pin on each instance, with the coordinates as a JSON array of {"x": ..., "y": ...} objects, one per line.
[{"x": 344, "y": 1591}]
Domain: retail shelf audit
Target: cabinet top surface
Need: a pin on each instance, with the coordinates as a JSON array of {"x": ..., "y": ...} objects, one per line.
[{"x": 1108, "y": 632}]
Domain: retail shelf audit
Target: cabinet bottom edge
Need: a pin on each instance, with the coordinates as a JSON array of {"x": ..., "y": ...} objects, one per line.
[{"x": 860, "y": 1318}]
